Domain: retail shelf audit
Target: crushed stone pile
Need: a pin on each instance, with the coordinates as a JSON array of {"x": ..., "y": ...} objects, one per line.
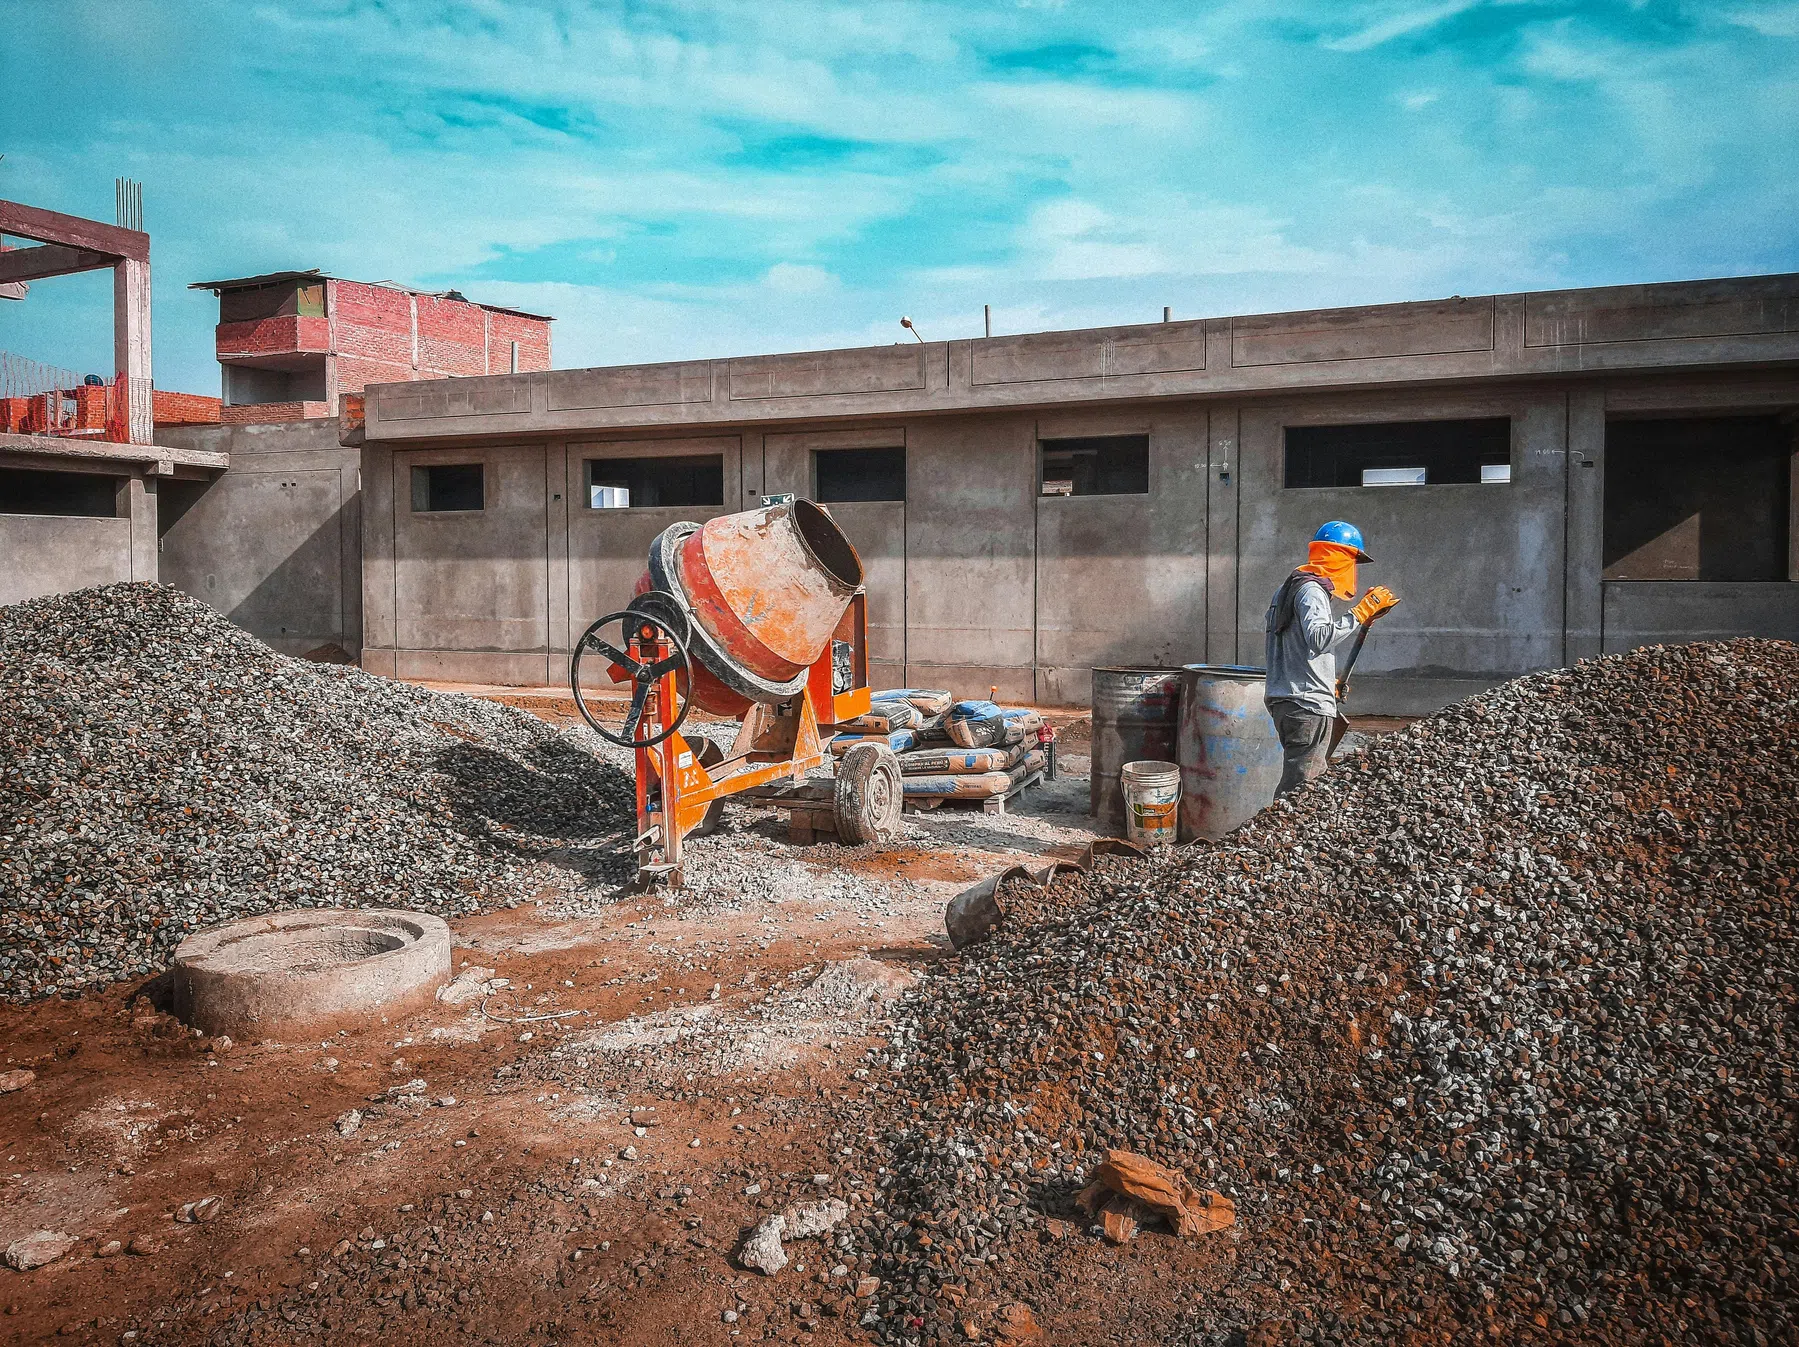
[
  {"x": 162, "y": 770},
  {"x": 1488, "y": 1034}
]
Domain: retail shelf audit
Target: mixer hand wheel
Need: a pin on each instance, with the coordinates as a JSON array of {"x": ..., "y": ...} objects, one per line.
[{"x": 639, "y": 632}]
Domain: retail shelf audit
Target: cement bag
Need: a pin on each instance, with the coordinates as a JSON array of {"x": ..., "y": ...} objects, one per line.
[
  {"x": 975, "y": 724},
  {"x": 884, "y": 716},
  {"x": 1022, "y": 724},
  {"x": 931, "y": 729},
  {"x": 952, "y": 761},
  {"x": 973, "y": 785},
  {"x": 927, "y": 701},
  {"x": 898, "y": 740}
]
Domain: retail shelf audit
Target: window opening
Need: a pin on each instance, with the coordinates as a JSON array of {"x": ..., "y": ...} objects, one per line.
[
  {"x": 1094, "y": 465},
  {"x": 442, "y": 488},
  {"x": 1394, "y": 476},
  {"x": 1698, "y": 499},
  {"x": 644, "y": 483},
  {"x": 859, "y": 474},
  {"x": 74, "y": 494},
  {"x": 1400, "y": 453}
]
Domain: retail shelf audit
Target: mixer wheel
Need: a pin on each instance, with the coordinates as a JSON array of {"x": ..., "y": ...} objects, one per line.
[{"x": 869, "y": 795}]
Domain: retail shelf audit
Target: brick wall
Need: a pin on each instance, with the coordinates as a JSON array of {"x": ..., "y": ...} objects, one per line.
[
  {"x": 531, "y": 334},
  {"x": 371, "y": 330},
  {"x": 264, "y": 413},
  {"x": 272, "y": 336},
  {"x": 372, "y": 323},
  {"x": 355, "y": 373},
  {"x": 183, "y": 409}
]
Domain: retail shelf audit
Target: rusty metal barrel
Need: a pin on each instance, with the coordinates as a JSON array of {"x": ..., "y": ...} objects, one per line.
[
  {"x": 765, "y": 590},
  {"x": 1136, "y": 716},
  {"x": 1229, "y": 756}
]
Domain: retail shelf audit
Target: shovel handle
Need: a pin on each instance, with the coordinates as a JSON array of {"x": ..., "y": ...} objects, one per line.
[{"x": 1355, "y": 653}]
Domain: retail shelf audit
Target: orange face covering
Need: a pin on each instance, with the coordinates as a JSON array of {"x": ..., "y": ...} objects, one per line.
[{"x": 1336, "y": 564}]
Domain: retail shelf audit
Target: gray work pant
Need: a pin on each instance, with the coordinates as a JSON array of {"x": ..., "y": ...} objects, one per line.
[{"x": 1305, "y": 744}]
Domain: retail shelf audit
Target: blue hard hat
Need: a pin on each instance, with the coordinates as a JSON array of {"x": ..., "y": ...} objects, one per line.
[{"x": 1344, "y": 535}]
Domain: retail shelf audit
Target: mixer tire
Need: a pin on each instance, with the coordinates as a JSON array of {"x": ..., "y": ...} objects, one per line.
[{"x": 870, "y": 793}]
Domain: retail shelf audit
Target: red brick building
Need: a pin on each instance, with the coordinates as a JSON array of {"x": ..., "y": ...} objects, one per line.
[{"x": 291, "y": 341}]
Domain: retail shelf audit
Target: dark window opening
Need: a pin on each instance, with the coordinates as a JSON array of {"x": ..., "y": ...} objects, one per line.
[
  {"x": 642, "y": 483},
  {"x": 83, "y": 494},
  {"x": 1095, "y": 465},
  {"x": 1697, "y": 499},
  {"x": 445, "y": 487},
  {"x": 859, "y": 474},
  {"x": 1400, "y": 453}
]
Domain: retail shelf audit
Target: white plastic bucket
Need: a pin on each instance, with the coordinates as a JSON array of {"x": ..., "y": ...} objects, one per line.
[{"x": 1152, "y": 802}]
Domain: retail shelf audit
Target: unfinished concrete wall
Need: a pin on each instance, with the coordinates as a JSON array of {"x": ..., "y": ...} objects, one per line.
[
  {"x": 56, "y": 553},
  {"x": 275, "y": 543},
  {"x": 1477, "y": 565},
  {"x": 977, "y": 580},
  {"x": 606, "y": 548},
  {"x": 971, "y": 519},
  {"x": 876, "y": 528},
  {"x": 1121, "y": 579},
  {"x": 64, "y": 554}
]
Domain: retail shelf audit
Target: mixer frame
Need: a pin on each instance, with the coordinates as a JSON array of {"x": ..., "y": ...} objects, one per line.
[{"x": 777, "y": 744}]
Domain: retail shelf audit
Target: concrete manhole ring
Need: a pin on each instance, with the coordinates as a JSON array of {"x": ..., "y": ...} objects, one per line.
[{"x": 296, "y": 973}]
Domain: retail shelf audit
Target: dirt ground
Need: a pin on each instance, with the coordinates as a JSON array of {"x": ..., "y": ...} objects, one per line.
[{"x": 582, "y": 1178}]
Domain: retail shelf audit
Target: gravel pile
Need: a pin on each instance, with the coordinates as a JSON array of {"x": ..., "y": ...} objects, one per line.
[
  {"x": 162, "y": 770},
  {"x": 1487, "y": 1033}
]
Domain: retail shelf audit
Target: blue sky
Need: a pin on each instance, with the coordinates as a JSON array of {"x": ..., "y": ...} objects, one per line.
[{"x": 675, "y": 180}]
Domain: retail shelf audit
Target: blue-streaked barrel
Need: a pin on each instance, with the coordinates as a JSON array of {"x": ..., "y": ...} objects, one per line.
[{"x": 1230, "y": 758}]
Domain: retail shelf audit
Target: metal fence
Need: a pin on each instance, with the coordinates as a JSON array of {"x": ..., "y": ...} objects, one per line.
[{"x": 38, "y": 399}]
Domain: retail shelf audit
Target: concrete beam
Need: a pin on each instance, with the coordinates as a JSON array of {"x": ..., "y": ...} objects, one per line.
[
  {"x": 105, "y": 451},
  {"x": 48, "y": 226},
  {"x": 47, "y": 260}
]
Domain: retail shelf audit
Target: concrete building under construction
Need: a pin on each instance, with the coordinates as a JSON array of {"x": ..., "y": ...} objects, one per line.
[
  {"x": 1543, "y": 476},
  {"x": 289, "y": 342}
]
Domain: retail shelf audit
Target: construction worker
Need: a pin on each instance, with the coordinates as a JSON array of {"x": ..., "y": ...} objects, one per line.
[{"x": 1303, "y": 638}]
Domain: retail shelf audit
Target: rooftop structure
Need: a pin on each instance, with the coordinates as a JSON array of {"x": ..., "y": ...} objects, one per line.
[{"x": 289, "y": 342}]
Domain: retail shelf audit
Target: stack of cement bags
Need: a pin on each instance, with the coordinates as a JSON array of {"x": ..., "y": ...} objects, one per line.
[{"x": 948, "y": 749}]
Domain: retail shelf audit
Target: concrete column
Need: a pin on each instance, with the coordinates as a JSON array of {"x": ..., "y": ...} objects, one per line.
[
  {"x": 131, "y": 344},
  {"x": 1793, "y": 505},
  {"x": 1223, "y": 472},
  {"x": 556, "y": 505},
  {"x": 137, "y": 503},
  {"x": 378, "y": 570},
  {"x": 1583, "y": 622}
]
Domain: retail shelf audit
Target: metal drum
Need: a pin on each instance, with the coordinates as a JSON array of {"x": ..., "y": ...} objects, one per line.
[
  {"x": 1136, "y": 715},
  {"x": 1229, "y": 756}
]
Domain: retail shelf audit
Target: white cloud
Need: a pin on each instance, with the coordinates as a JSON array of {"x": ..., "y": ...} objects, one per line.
[
  {"x": 1768, "y": 20},
  {"x": 790, "y": 278},
  {"x": 1405, "y": 22}
]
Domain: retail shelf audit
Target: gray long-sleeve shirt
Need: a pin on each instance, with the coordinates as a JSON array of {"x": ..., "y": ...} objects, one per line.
[{"x": 1302, "y": 660}]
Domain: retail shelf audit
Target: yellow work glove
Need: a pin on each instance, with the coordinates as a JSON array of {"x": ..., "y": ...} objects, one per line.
[{"x": 1375, "y": 602}]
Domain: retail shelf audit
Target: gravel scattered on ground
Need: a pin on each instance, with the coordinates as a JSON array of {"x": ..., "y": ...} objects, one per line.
[
  {"x": 1487, "y": 1032},
  {"x": 163, "y": 770}
]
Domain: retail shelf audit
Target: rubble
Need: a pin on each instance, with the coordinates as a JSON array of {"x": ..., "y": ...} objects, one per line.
[
  {"x": 36, "y": 1249},
  {"x": 167, "y": 771},
  {"x": 762, "y": 1250},
  {"x": 1128, "y": 1190},
  {"x": 1495, "y": 1018}
]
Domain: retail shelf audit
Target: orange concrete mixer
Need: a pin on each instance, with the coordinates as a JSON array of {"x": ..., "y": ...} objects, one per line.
[{"x": 760, "y": 616}]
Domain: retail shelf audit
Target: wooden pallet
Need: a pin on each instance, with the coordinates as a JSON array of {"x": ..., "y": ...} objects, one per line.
[{"x": 993, "y": 804}]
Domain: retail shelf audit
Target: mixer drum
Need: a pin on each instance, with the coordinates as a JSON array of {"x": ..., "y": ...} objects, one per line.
[{"x": 765, "y": 589}]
